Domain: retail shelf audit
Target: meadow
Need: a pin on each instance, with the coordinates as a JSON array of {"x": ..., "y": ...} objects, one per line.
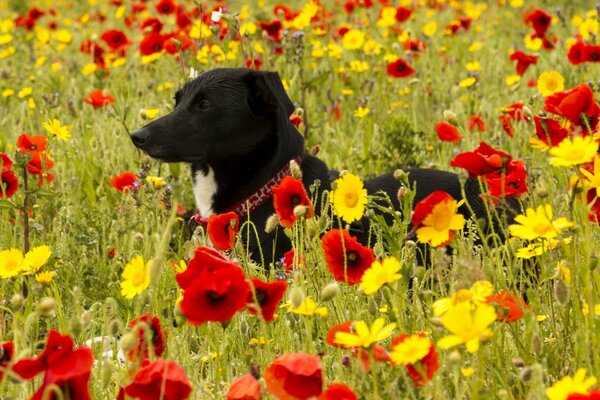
[{"x": 101, "y": 278}]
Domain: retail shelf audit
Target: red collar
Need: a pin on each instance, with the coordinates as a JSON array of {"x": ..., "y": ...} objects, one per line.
[{"x": 256, "y": 199}]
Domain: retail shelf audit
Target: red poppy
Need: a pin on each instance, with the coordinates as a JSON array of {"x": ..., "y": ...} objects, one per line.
[
  {"x": 594, "y": 205},
  {"x": 64, "y": 367},
  {"x": 97, "y": 98},
  {"x": 245, "y": 387},
  {"x": 184, "y": 20},
  {"x": 215, "y": 296},
  {"x": 152, "y": 43},
  {"x": 475, "y": 122},
  {"x": 6, "y": 356},
  {"x": 575, "y": 53},
  {"x": 549, "y": 130},
  {"x": 5, "y": 162},
  {"x": 403, "y": 14},
  {"x": 175, "y": 43},
  {"x": 273, "y": 29},
  {"x": 294, "y": 376},
  {"x": 523, "y": 61},
  {"x": 39, "y": 165},
  {"x": 27, "y": 143},
  {"x": 447, "y": 132},
  {"x": 511, "y": 182},
  {"x": 149, "y": 334},
  {"x": 268, "y": 295},
  {"x": 593, "y": 395},
  {"x": 296, "y": 120},
  {"x": 509, "y": 306},
  {"x": 349, "y": 6},
  {"x": 399, "y": 69},
  {"x": 222, "y": 230},
  {"x": 161, "y": 379},
  {"x": 9, "y": 183},
  {"x": 285, "y": 11},
  {"x": 576, "y": 104},
  {"x": 165, "y": 7},
  {"x": 95, "y": 50},
  {"x": 414, "y": 46},
  {"x": 254, "y": 63},
  {"x": 153, "y": 23},
  {"x": 458, "y": 25},
  {"x": 425, "y": 207},
  {"x": 423, "y": 370},
  {"x": 483, "y": 160},
  {"x": 377, "y": 352},
  {"x": 205, "y": 259},
  {"x": 346, "y": 259},
  {"x": 287, "y": 196},
  {"x": 115, "y": 39},
  {"x": 125, "y": 181},
  {"x": 591, "y": 53},
  {"x": 344, "y": 327},
  {"x": 338, "y": 391},
  {"x": 288, "y": 260},
  {"x": 540, "y": 20}
]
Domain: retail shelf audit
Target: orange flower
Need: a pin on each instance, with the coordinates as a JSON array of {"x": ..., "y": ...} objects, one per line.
[{"x": 294, "y": 376}]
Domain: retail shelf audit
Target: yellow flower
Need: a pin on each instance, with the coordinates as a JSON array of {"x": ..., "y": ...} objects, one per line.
[
  {"x": 309, "y": 307},
  {"x": 570, "y": 385},
  {"x": 353, "y": 40},
  {"x": 380, "y": 274},
  {"x": 538, "y": 223},
  {"x": 45, "y": 277},
  {"x": 467, "y": 326},
  {"x": 550, "y": 82},
  {"x": 54, "y": 127},
  {"x": 577, "y": 150},
  {"x": 363, "y": 336},
  {"x": 7, "y": 92},
  {"x": 89, "y": 69},
  {"x": 513, "y": 79},
  {"x": 563, "y": 272},
  {"x": 136, "y": 277},
  {"x": 412, "y": 349},
  {"x": 536, "y": 249},
  {"x": 533, "y": 44},
  {"x": 468, "y": 82},
  {"x": 150, "y": 113},
  {"x": 359, "y": 66},
  {"x": 430, "y": 28},
  {"x": 438, "y": 225},
  {"x": 156, "y": 181},
  {"x": 26, "y": 91},
  {"x": 349, "y": 198},
  {"x": 361, "y": 112},
  {"x": 475, "y": 46},
  {"x": 592, "y": 180},
  {"x": 477, "y": 294},
  {"x": 473, "y": 66},
  {"x": 11, "y": 263},
  {"x": 467, "y": 371},
  {"x": 35, "y": 259}
]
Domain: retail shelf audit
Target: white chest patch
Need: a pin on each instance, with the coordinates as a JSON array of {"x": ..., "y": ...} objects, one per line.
[{"x": 205, "y": 188}]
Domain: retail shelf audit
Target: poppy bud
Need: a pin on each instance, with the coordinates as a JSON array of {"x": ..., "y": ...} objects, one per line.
[
  {"x": 525, "y": 375},
  {"x": 373, "y": 307},
  {"x": 455, "y": 357},
  {"x": 402, "y": 193},
  {"x": 17, "y": 301},
  {"x": 128, "y": 341},
  {"x": 450, "y": 117},
  {"x": 297, "y": 297},
  {"x": 536, "y": 344},
  {"x": 561, "y": 292},
  {"x": 47, "y": 307},
  {"x": 329, "y": 291},
  {"x": 114, "y": 326},
  {"x": 399, "y": 174},
  {"x": 76, "y": 325},
  {"x": 300, "y": 211},
  {"x": 518, "y": 362},
  {"x": 593, "y": 263}
]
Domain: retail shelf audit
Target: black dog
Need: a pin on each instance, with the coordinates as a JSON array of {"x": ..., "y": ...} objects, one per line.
[{"x": 233, "y": 127}]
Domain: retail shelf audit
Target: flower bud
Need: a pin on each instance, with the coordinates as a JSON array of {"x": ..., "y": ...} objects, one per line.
[
  {"x": 542, "y": 192},
  {"x": 450, "y": 117},
  {"x": 114, "y": 326},
  {"x": 297, "y": 297},
  {"x": 402, "y": 192},
  {"x": 300, "y": 211},
  {"x": 525, "y": 375},
  {"x": 561, "y": 292},
  {"x": 47, "y": 307},
  {"x": 128, "y": 341},
  {"x": 399, "y": 174},
  {"x": 518, "y": 362},
  {"x": 295, "y": 170},
  {"x": 17, "y": 301},
  {"x": 76, "y": 325},
  {"x": 455, "y": 357},
  {"x": 330, "y": 291},
  {"x": 272, "y": 223}
]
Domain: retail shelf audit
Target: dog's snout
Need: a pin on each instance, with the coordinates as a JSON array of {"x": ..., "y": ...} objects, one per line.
[{"x": 140, "y": 136}]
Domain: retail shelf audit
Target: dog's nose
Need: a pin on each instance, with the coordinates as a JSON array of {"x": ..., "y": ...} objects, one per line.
[{"x": 140, "y": 136}]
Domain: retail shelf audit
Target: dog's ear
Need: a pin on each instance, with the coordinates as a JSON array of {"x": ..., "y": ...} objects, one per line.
[{"x": 267, "y": 94}]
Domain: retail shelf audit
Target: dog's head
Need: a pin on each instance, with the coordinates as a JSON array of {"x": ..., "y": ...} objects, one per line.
[{"x": 223, "y": 113}]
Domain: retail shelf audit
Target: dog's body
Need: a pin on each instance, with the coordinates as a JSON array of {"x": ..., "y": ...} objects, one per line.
[{"x": 233, "y": 127}]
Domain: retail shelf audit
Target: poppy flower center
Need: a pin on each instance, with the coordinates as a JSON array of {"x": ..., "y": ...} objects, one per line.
[
  {"x": 157, "y": 47},
  {"x": 400, "y": 67},
  {"x": 352, "y": 258},
  {"x": 215, "y": 298},
  {"x": 351, "y": 199},
  {"x": 5, "y": 357},
  {"x": 295, "y": 200},
  {"x": 595, "y": 56},
  {"x": 32, "y": 147},
  {"x": 262, "y": 297}
]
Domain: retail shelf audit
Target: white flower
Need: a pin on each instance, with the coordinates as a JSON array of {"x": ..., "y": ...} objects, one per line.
[{"x": 216, "y": 15}]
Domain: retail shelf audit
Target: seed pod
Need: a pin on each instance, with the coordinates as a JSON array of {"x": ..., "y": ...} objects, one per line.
[
  {"x": 561, "y": 292},
  {"x": 297, "y": 296},
  {"x": 330, "y": 291}
]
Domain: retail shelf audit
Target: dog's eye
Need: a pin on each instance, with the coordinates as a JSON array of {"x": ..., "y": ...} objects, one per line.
[{"x": 204, "y": 105}]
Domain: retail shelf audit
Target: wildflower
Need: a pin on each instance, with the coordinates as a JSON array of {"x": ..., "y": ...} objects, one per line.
[
  {"x": 58, "y": 353},
  {"x": 292, "y": 261},
  {"x": 216, "y": 15},
  {"x": 150, "y": 113},
  {"x": 510, "y": 182},
  {"x": 467, "y": 325},
  {"x": 550, "y": 82},
  {"x": 475, "y": 122},
  {"x": 536, "y": 249},
  {"x": 430, "y": 28},
  {"x": 214, "y": 288},
  {"x": 448, "y": 132},
  {"x": 467, "y": 82},
  {"x": 509, "y": 306},
  {"x": 578, "y": 384},
  {"x": 268, "y": 295},
  {"x": 483, "y": 160},
  {"x": 124, "y": 182},
  {"x": 523, "y": 61},
  {"x": 535, "y": 224},
  {"x": 150, "y": 338},
  {"x": 478, "y": 293},
  {"x": 346, "y": 259},
  {"x": 156, "y": 181},
  {"x": 39, "y": 165},
  {"x": 35, "y": 259},
  {"x": 380, "y": 274},
  {"x": 574, "y": 151},
  {"x": 29, "y": 144},
  {"x": 363, "y": 336},
  {"x": 309, "y": 307},
  {"x": 361, "y": 112},
  {"x": 399, "y": 69},
  {"x": 435, "y": 219},
  {"x": 349, "y": 198},
  {"x": 45, "y": 277},
  {"x": 245, "y": 387},
  {"x": 7, "y": 353},
  {"x": 60, "y": 131},
  {"x": 540, "y": 20},
  {"x": 115, "y": 39},
  {"x": 353, "y": 40},
  {"x": 136, "y": 277},
  {"x": 592, "y": 178},
  {"x": 165, "y": 7},
  {"x": 9, "y": 183},
  {"x": 11, "y": 263},
  {"x": 549, "y": 130},
  {"x": 289, "y": 194},
  {"x": 417, "y": 353},
  {"x": 338, "y": 391},
  {"x": 576, "y": 104},
  {"x": 97, "y": 98},
  {"x": 222, "y": 230},
  {"x": 161, "y": 379},
  {"x": 512, "y": 79},
  {"x": 294, "y": 376}
]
